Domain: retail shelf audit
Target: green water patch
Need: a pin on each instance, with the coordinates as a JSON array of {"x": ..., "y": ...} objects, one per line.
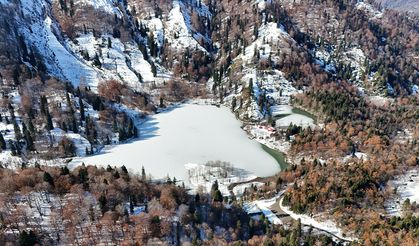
[
  {"x": 280, "y": 116},
  {"x": 277, "y": 155},
  {"x": 305, "y": 113}
]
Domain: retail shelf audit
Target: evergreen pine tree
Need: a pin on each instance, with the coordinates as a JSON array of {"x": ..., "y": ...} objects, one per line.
[
  {"x": 109, "y": 43},
  {"x": 43, "y": 105},
  {"x": 18, "y": 133},
  {"x": 96, "y": 61},
  {"x": 27, "y": 239},
  {"x": 136, "y": 135},
  {"x": 124, "y": 169},
  {"x": 2, "y": 142},
  {"x": 12, "y": 148},
  {"x": 28, "y": 138},
  {"x": 143, "y": 174},
  {"x": 48, "y": 178},
  {"x": 50, "y": 126},
  {"x": 31, "y": 127},
  {"x": 64, "y": 171},
  {"x": 82, "y": 116},
  {"x": 131, "y": 205},
  {"x": 64, "y": 127}
]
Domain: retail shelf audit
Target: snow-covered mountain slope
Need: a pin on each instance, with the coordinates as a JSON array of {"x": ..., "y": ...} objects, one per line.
[
  {"x": 266, "y": 82},
  {"x": 62, "y": 57},
  {"x": 43, "y": 34}
]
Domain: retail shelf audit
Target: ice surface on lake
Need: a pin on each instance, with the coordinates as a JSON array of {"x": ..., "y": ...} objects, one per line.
[{"x": 188, "y": 134}]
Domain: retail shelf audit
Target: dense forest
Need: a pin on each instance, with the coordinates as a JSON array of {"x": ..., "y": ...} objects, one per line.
[
  {"x": 91, "y": 205},
  {"x": 353, "y": 65}
]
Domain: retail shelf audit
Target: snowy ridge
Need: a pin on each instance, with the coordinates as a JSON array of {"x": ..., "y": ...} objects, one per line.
[{"x": 179, "y": 31}]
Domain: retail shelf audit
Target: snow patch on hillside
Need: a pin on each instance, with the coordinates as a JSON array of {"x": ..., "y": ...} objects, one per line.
[
  {"x": 122, "y": 61},
  {"x": 262, "y": 4},
  {"x": 156, "y": 26},
  {"x": 415, "y": 89},
  {"x": 354, "y": 57},
  {"x": 268, "y": 33},
  {"x": 369, "y": 9},
  {"x": 108, "y": 6},
  {"x": 407, "y": 187},
  {"x": 357, "y": 155},
  {"x": 79, "y": 142}
]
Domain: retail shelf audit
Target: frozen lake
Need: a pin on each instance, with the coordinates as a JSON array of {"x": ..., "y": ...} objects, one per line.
[{"x": 188, "y": 134}]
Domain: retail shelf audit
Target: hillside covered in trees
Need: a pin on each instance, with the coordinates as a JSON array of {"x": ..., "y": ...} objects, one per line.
[{"x": 332, "y": 84}]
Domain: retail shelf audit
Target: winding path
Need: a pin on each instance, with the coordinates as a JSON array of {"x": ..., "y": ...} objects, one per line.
[{"x": 309, "y": 221}]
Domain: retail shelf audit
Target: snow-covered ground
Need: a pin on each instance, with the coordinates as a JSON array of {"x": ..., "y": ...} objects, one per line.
[
  {"x": 5, "y": 2},
  {"x": 79, "y": 142},
  {"x": 407, "y": 187},
  {"x": 272, "y": 82},
  {"x": 263, "y": 206},
  {"x": 188, "y": 134},
  {"x": 326, "y": 225},
  {"x": 296, "y": 119},
  {"x": 264, "y": 135},
  {"x": 380, "y": 100},
  {"x": 204, "y": 176},
  {"x": 357, "y": 155},
  {"x": 238, "y": 190}
]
